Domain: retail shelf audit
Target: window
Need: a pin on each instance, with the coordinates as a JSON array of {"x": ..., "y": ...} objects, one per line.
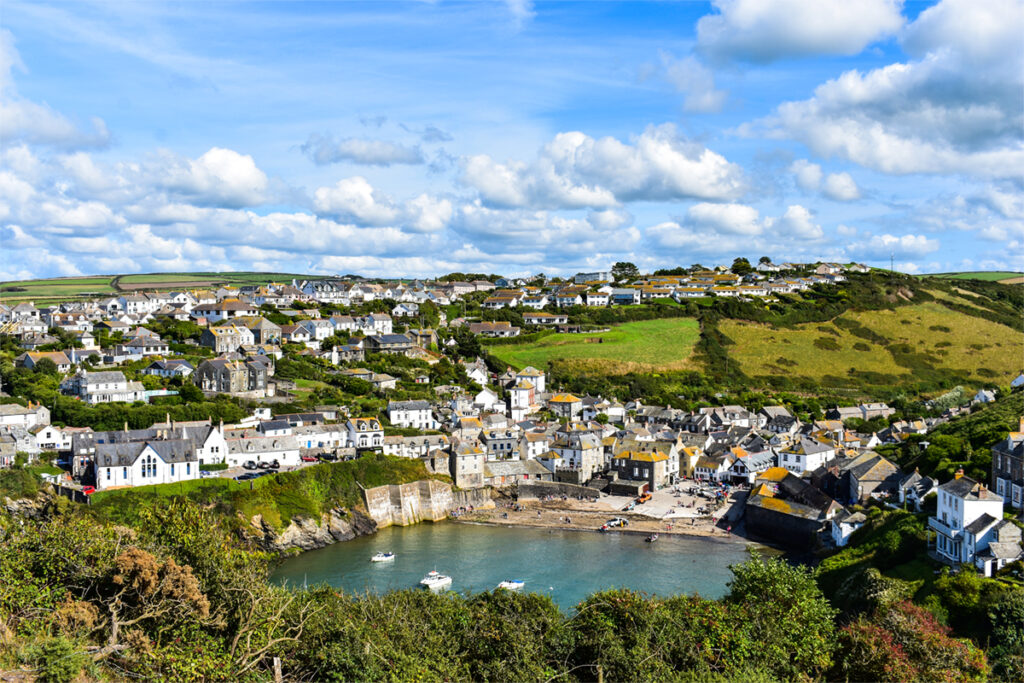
[
  {"x": 188, "y": 468},
  {"x": 108, "y": 474},
  {"x": 124, "y": 473},
  {"x": 172, "y": 469}
]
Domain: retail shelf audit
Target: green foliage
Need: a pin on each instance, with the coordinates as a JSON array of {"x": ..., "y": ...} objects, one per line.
[
  {"x": 58, "y": 660},
  {"x": 789, "y": 616}
]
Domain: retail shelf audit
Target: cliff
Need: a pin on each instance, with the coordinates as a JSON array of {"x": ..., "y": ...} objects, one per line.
[{"x": 305, "y": 533}]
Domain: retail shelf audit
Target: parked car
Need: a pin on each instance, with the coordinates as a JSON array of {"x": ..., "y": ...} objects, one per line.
[
  {"x": 88, "y": 490},
  {"x": 644, "y": 497},
  {"x": 250, "y": 465},
  {"x": 308, "y": 458},
  {"x": 247, "y": 476},
  {"x": 271, "y": 465},
  {"x": 328, "y": 457},
  {"x": 616, "y": 522}
]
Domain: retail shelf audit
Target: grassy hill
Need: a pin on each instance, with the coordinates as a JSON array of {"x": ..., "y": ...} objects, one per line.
[
  {"x": 1006, "y": 277},
  {"x": 55, "y": 290},
  {"x": 646, "y": 345},
  {"x": 892, "y": 347}
]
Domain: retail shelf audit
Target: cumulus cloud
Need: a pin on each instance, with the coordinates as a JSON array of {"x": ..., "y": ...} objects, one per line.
[
  {"x": 323, "y": 149},
  {"x": 575, "y": 170},
  {"x": 809, "y": 177},
  {"x": 695, "y": 81},
  {"x": 797, "y": 222},
  {"x": 221, "y": 177},
  {"x": 880, "y": 247},
  {"x": 956, "y": 109},
  {"x": 735, "y": 219},
  {"x": 356, "y": 200},
  {"x": 766, "y": 30},
  {"x": 22, "y": 120},
  {"x": 841, "y": 187}
]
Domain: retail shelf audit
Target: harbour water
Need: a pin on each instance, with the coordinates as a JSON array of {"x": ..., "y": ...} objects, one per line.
[{"x": 567, "y": 565}]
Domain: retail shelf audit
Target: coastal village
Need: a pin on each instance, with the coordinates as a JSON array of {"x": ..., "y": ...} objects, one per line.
[{"x": 547, "y": 457}]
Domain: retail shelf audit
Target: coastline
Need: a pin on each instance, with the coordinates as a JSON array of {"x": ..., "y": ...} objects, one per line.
[{"x": 589, "y": 516}]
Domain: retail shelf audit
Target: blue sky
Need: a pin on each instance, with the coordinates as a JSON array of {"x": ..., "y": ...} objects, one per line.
[{"x": 393, "y": 138}]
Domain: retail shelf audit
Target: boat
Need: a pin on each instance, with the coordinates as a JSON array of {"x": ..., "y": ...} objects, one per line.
[
  {"x": 512, "y": 584},
  {"x": 436, "y": 580},
  {"x": 652, "y": 538},
  {"x": 383, "y": 557}
]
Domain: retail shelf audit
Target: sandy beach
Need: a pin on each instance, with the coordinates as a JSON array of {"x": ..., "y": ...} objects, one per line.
[{"x": 585, "y": 515}]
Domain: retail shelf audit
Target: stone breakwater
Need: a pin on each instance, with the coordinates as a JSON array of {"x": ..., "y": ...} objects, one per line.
[{"x": 426, "y": 500}]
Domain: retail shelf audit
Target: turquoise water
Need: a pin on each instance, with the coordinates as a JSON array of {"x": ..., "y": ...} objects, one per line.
[{"x": 567, "y": 565}]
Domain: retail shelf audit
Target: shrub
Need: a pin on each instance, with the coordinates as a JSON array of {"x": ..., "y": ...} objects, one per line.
[{"x": 827, "y": 344}]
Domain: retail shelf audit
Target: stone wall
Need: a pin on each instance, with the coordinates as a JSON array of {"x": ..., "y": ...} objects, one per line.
[
  {"x": 419, "y": 501},
  {"x": 538, "y": 489}
]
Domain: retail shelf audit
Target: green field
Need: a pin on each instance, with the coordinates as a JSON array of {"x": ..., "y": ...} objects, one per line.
[
  {"x": 55, "y": 290},
  {"x": 988, "y": 276},
  {"x": 665, "y": 344},
  {"x": 979, "y": 349}
]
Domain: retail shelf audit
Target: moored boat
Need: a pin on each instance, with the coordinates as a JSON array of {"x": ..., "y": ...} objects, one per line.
[
  {"x": 512, "y": 584},
  {"x": 383, "y": 557},
  {"x": 435, "y": 580},
  {"x": 652, "y": 538}
]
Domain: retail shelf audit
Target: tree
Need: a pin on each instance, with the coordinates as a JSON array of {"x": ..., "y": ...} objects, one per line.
[
  {"x": 741, "y": 266},
  {"x": 45, "y": 367},
  {"x": 788, "y": 615},
  {"x": 624, "y": 271},
  {"x": 765, "y": 259}
]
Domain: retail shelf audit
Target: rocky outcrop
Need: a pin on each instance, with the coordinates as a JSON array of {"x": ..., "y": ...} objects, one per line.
[
  {"x": 304, "y": 533},
  {"x": 32, "y": 508}
]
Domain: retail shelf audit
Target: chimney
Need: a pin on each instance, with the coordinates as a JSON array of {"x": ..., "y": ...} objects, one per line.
[{"x": 959, "y": 473}]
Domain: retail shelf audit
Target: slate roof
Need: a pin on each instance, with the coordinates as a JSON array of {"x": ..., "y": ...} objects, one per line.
[
  {"x": 125, "y": 454},
  {"x": 980, "y": 524}
]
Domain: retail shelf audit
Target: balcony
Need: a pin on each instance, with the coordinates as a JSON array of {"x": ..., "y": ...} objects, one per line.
[{"x": 946, "y": 530}]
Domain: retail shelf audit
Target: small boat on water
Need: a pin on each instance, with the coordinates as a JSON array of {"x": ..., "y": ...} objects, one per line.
[
  {"x": 435, "y": 580},
  {"x": 512, "y": 584},
  {"x": 383, "y": 557},
  {"x": 652, "y": 538}
]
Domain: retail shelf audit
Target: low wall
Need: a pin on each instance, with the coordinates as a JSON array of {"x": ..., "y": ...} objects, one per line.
[
  {"x": 539, "y": 489},
  {"x": 419, "y": 501}
]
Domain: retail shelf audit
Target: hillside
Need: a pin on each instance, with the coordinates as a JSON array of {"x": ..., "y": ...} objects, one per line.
[
  {"x": 1005, "y": 277},
  {"x": 911, "y": 344},
  {"x": 55, "y": 290},
  {"x": 646, "y": 345}
]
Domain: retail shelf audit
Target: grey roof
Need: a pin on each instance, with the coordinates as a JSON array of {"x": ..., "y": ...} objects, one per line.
[
  {"x": 125, "y": 454},
  {"x": 409, "y": 405},
  {"x": 967, "y": 488},
  {"x": 508, "y": 468},
  {"x": 1003, "y": 551},
  {"x": 270, "y": 425},
  {"x": 980, "y": 524},
  {"x": 107, "y": 376}
]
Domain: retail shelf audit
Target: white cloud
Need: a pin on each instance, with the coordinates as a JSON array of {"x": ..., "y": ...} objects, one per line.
[
  {"x": 324, "y": 150},
  {"x": 841, "y": 187},
  {"x": 736, "y": 219},
  {"x": 354, "y": 199},
  {"x": 808, "y": 175},
  {"x": 766, "y": 30},
  {"x": 221, "y": 177},
  {"x": 798, "y": 223},
  {"x": 880, "y": 247},
  {"x": 695, "y": 81},
  {"x": 955, "y": 110},
  {"x": 575, "y": 170}
]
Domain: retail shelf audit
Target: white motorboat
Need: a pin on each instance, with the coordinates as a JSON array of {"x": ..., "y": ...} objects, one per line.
[
  {"x": 435, "y": 580},
  {"x": 512, "y": 584},
  {"x": 383, "y": 557}
]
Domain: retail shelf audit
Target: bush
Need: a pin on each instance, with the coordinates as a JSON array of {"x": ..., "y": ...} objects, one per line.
[{"x": 214, "y": 467}]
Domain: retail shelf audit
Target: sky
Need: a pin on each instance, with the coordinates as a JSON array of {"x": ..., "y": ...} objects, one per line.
[{"x": 397, "y": 139}]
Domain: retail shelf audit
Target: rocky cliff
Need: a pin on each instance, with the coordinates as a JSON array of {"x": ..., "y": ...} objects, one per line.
[{"x": 304, "y": 533}]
